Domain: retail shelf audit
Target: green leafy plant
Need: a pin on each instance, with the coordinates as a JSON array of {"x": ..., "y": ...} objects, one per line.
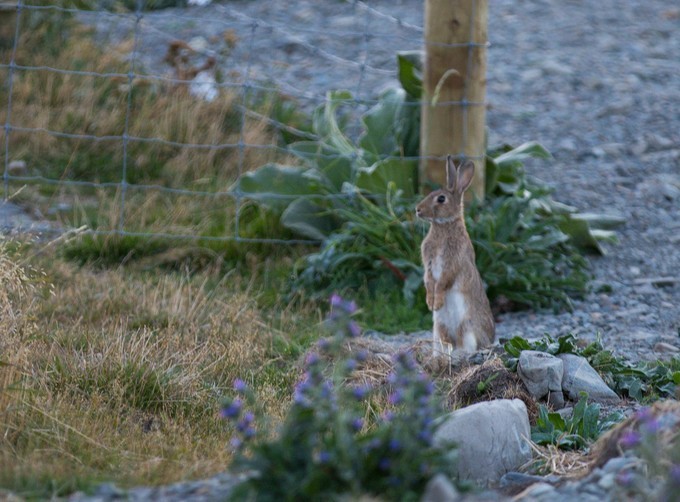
[
  {"x": 575, "y": 432},
  {"x": 646, "y": 380},
  {"x": 357, "y": 199},
  {"x": 324, "y": 447}
]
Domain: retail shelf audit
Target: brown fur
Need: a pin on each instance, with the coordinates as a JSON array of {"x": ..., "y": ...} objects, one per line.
[{"x": 448, "y": 241}]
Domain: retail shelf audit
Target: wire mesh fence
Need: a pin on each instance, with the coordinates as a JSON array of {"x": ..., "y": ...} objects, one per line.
[{"x": 142, "y": 122}]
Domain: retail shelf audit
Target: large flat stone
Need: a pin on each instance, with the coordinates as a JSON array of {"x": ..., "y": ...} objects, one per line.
[{"x": 492, "y": 439}]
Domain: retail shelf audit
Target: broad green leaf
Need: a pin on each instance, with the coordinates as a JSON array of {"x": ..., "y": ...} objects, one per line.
[
  {"x": 379, "y": 124},
  {"x": 491, "y": 175},
  {"x": 410, "y": 72},
  {"x": 274, "y": 185},
  {"x": 308, "y": 219},
  {"x": 325, "y": 122},
  {"x": 377, "y": 178},
  {"x": 581, "y": 234},
  {"x": 336, "y": 168},
  {"x": 531, "y": 149},
  {"x": 601, "y": 221}
]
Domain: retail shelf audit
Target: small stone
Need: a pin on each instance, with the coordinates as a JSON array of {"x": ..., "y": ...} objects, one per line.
[
  {"x": 199, "y": 44},
  {"x": 666, "y": 348},
  {"x": 514, "y": 482},
  {"x": 579, "y": 376},
  {"x": 531, "y": 74},
  {"x": 109, "y": 491},
  {"x": 607, "y": 481},
  {"x": 440, "y": 489},
  {"x": 566, "y": 413},
  {"x": 538, "y": 491},
  {"x": 617, "y": 464},
  {"x": 540, "y": 372}
]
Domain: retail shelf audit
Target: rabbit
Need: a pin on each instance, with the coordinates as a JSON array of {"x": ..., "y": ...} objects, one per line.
[{"x": 454, "y": 291}]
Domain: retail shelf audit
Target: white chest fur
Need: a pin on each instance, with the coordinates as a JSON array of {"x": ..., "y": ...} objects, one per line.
[
  {"x": 436, "y": 267},
  {"x": 452, "y": 314}
]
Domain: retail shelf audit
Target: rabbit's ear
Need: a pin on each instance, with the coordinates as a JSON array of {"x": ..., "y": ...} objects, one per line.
[
  {"x": 451, "y": 173},
  {"x": 465, "y": 174}
]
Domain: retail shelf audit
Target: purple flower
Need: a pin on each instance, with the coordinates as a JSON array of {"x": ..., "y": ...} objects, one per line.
[
  {"x": 644, "y": 414},
  {"x": 357, "y": 424},
  {"x": 425, "y": 436},
  {"x": 629, "y": 439},
  {"x": 323, "y": 345},
  {"x": 236, "y": 443},
  {"x": 244, "y": 424},
  {"x": 674, "y": 475},
  {"x": 387, "y": 416},
  {"x": 394, "y": 445},
  {"x": 396, "y": 397},
  {"x": 323, "y": 457},
  {"x": 232, "y": 410},
  {"x": 362, "y": 355},
  {"x": 336, "y": 301},
  {"x": 651, "y": 426},
  {"x": 359, "y": 393},
  {"x": 392, "y": 378},
  {"x": 384, "y": 464},
  {"x": 625, "y": 478},
  {"x": 312, "y": 359},
  {"x": 240, "y": 386},
  {"x": 354, "y": 329},
  {"x": 351, "y": 364},
  {"x": 326, "y": 390}
]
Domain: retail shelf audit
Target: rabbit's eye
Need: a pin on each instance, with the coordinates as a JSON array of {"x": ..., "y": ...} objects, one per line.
[{"x": 441, "y": 199}]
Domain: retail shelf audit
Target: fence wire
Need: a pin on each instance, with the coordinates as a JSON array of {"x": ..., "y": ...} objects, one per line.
[{"x": 371, "y": 30}]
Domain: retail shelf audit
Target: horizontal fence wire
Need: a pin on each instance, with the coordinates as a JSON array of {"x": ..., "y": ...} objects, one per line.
[{"x": 237, "y": 76}]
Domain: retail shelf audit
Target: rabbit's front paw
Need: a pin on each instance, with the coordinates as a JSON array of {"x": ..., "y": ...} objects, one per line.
[{"x": 438, "y": 302}]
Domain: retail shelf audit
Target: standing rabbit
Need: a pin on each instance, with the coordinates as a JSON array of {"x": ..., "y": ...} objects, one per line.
[{"x": 455, "y": 293}]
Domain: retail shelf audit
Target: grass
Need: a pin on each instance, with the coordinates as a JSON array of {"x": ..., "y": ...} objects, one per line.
[
  {"x": 96, "y": 106},
  {"x": 116, "y": 374}
]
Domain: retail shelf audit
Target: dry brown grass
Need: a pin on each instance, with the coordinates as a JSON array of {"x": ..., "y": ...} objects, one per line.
[
  {"x": 119, "y": 373},
  {"x": 94, "y": 105}
]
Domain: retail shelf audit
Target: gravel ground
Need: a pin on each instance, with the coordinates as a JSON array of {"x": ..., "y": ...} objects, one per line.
[{"x": 597, "y": 84}]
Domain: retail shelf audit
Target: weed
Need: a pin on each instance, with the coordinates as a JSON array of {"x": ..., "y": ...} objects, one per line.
[
  {"x": 324, "y": 448},
  {"x": 576, "y": 432}
]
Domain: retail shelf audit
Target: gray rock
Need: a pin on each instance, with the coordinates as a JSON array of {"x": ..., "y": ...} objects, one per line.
[
  {"x": 492, "y": 439},
  {"x": 540, "y": 372},
  {"x": 514, "y": 482},
  {"x": 579, "y": 376},
  {"x": 440, "y": 489},
  {"x": 666, "y": 347},
  {"x": 556, "y": 399},
  {"x": 538, "y": 491}
]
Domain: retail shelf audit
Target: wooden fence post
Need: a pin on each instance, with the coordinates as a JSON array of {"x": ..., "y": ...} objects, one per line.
[{"x": 454, "y": 88}]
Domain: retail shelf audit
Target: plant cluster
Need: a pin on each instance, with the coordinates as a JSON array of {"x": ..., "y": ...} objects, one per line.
[
  {"x": 642, "y": 381},
  {"x": 329, "y": 444},
  {"x": 653, "y": 438},
  {"x": 357, "y": 198},
  {"x": 575, "y": 432}
]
